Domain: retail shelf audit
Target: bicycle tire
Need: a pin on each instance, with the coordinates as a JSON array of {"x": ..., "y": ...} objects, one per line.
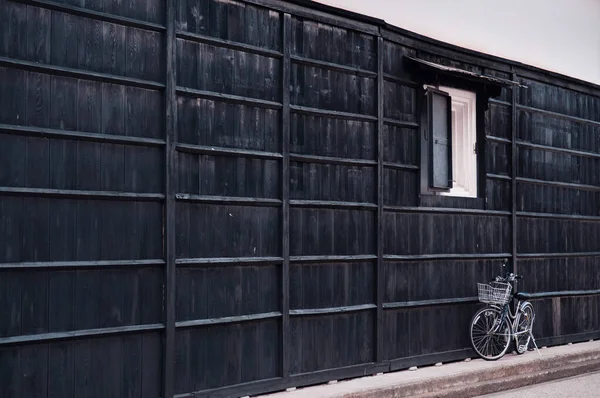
[
  {"x": 522, "y": 341},
  {"x": 489, "y": 347}
]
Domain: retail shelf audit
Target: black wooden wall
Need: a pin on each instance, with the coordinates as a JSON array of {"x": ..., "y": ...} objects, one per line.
[{"x": 221, "y": 197}]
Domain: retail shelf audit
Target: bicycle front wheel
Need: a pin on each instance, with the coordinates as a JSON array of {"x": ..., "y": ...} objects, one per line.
[{"x": 489, "y": 339}]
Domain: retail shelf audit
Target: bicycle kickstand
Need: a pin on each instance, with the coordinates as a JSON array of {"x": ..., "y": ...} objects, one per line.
[{"x": 533, "y": 339}]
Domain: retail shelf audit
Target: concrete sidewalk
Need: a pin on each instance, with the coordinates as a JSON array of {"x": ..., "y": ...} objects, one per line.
[{"x": 465, "y": 379}]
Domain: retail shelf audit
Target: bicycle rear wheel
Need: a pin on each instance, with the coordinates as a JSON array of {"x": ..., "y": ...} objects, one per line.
[
  {"x": 489, "y": 340},
  {"x": 524, "y": 324}
]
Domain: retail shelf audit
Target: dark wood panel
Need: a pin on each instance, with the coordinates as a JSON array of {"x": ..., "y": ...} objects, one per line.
[
  {"x": 216, "y": 292},
  {"x": 106, "y": 366},
  {"x": 332, "y": 182},
  {"x": 559, "y": 274},
  {"x": 227, "y": 231},
  {"x": 332, "y": 341},
  {"x": 321, "y": 285},
  {"x": 539, "y": 235},
  {"x": 315, "y": 135},
  {"x": 543, "y": 129},
  {"x": 498, "y": 121},
  {"x": 400, "y": 187},
  {"x": 333, "y": 44},
  {"x": 208, "y": 122},
  {"x": 400, "y": 102},
  {"x": 393, "y": 58},
  {"x": 98, "y": 230},
  {"x": 401, "y": 145},
  {"x": 66, "y": 164},
  {"x": 223, "y": 70},
  {"x": 228, "y": 176},
  {"x": 553, "y": 166},
  {"x": 498, "y": 194},
  {"x": 318, "y": 232},
  {"x": 217, "y": 356},
  {"x": 557, "y": 200},
  {"x": 67, "y": 40},
  {"x": 498, "y": 158},
  {"x": 435, "y": 280},
  {"x": 331, "y": 90},
  {"x": 231, "y": 20},
  {"x": 150, "y": 11},
  {"x": 560, "y": 100},
  {"x": 99, "y": 107},
  {"x": 57, "y": 301},
  {"x": 421, "y": 331},
  {"x": 467, "y": 234}
]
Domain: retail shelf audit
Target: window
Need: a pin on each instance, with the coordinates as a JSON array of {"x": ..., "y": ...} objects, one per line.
[{"x": 450, "y": 142}]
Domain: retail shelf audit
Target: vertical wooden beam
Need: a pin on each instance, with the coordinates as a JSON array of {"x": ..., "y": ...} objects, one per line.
[
  {"x": 514, "y": 174},
  {"x": 379, "y": 273},
  {"x": 285, "y": 187},
  {"x": 169, "y": 209}
]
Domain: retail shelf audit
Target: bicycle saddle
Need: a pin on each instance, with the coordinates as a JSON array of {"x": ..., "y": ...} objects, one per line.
[{"x": 522, "y": 296}]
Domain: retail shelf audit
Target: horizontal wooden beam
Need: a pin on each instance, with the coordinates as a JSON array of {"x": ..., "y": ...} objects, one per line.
[
  {"x": 562, "y": 293},
  {"x": 495, "y": 101},
  {"x": 499, "y": 140},
  {"x": 204, "y": 261},
  {"x": 559, "y": 255},
  {"x": 88, "y": 13},
  {"x": 333, "y": 310},
  {"x": 220, "y": 151},
  {"x": 79, "y": 194},
  {"x": 198, "y": 38},
  {"x": 446, "y": 210},
  {"x": 441, "y": 256},
  {"x": 400, "y": 80},
  {"x": 59, "y": 265},
  {"x": 430, "y": 303},
  {"x": 332, "y": 114},
  {"x": 547, "y": 148},
  {"x": 330, "y": 204},
  {"x": 297, "y": 157},
  {"x": 228, "y": 98},
  {"x": 28, "y": 131},
  {"x": 575, "y": 217},
  {"x": 332, "y": 258},
  {"x": 559, "y": 184},
  {"x": 558, "y": 115},
  {"x": 332, "y": 66},
  {"x": 400, "y": 123},
  {"x": 229, "y": 200},
  {"x": 79, "y": 74},
  {"x": 227, "y": 320},
  {"x": 498, "y": 177},
  {"x": 78, "y": 334},
  {"x": 399, "y": 166}
]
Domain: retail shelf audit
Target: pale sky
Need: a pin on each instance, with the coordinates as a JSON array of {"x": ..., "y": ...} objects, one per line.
[{"x": 558, "y": 35}]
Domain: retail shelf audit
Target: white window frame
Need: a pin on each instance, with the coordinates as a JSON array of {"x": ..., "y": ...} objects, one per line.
[{"x": 464, "y": 143}]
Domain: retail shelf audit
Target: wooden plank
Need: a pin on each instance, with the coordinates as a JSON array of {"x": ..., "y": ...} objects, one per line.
[
  {"x": 97, "y": 15},
  {"x": 227, "y": 320},
  {"x": 331, "y": 160},
  {"x": 380, "y": 202},
  {"x": 79, "y": 194},
  {"x": 334, "y": 310},
  {"x": 451, "y": 256},
  {"x": 76, "y": 334},
  {"x": 513, "y": 189},
  {"x": 285, "y": 187},
  {"x": 247, "y": 201},
  {"x": 445, "y": 210},
  {"x": 57, "y": 265},
  {"x": 430, "y": 303},
  {"x": 211, "y": 150},
  {"x": 170, "y": 228},
  {"x": 333, "y": 114},
  {"x": 331, "y": 204},
  {"x": 229, "y": 98},
  {"x": 558, "y": 115},
  {"x": 199, "y": 38},
  {"x": 219, "y": 261},
  {"x": 333, "y": 66}
]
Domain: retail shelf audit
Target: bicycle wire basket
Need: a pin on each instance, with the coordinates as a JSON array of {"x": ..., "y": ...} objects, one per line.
[{"x": 494, "y": 292}]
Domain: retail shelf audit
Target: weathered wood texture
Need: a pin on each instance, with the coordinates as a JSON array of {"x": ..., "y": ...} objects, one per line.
[{"x": 238, "y": 211}]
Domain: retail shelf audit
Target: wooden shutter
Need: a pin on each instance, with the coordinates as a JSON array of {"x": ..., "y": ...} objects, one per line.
[{"x": 439, "y": 106}]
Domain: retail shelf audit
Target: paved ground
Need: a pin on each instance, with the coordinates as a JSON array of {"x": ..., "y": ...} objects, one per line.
[{"x": 585, "y": 386}]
